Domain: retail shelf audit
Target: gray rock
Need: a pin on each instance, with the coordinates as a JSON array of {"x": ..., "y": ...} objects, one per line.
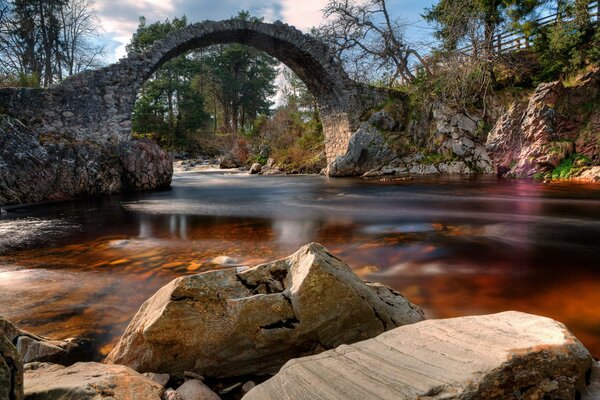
[
  {"x": 55, "y": 166},
  {"x": 383, "y": 120},
  {"x": 510, "y": 355},
  {"x": 255, "y": 169},
  {"x": 467, "y": 142},
  {"x": 89, "y": 381},
  {"x": 235, "y": 323},
  {"x": 273, "y": 171},
  {"x": 225, "y": 261},
  {"x": 459, "y": 149},
  {"x": 463, "y": 122},
  {"x": 229, "y": 161},
  {"x": 33, "y": 348},
  {"x": 592, "y": 391},
  {"x": 367, "y": 150},
  {"x": 423, "y": 169},
  {"x": 248, "y": 386},
  {"x": 171, "y": 394},
  {"x": 196, "y": 390},
  {"x": 454, "y": 167},
  {"x": 161, "y": 379}
]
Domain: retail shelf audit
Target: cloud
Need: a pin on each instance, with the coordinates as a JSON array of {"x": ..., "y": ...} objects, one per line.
[
  {"x": 303, "y": 14},
  {"x": 119, "y": 18}
]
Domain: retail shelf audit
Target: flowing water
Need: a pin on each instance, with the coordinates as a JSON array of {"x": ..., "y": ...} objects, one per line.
[{"x": 454, "y": 246}]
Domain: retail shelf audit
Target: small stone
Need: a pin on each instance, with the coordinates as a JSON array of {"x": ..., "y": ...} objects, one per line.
[
  {"x": 192, "y": 375},
  {"x": 255, "y": 169},
  {"x": 225, "y": 261},
  {"x": 171, "y": 394},
  {"x": 3, "y": 211},
  {"x": 161, "y": 379},
  {"x": 196, "y": 390},
  {"x": 248, "y": 386}
]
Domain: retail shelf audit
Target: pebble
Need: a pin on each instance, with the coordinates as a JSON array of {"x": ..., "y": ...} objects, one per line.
[
  {"x": 161, "y": 379},
  {"x": 248, "y": 386},
  {"x": 196, "y": 390},
  {"x": 171, "y": 394}
]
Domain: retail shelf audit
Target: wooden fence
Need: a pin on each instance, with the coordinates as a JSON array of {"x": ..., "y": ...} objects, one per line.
[{"x": 515, "y": 39}]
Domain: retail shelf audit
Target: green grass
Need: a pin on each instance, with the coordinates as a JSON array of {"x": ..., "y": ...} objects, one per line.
[{"x": 570, "y": 167}]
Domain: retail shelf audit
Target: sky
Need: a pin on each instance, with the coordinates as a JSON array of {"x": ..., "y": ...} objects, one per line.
[{"x": 119, "y": 18}]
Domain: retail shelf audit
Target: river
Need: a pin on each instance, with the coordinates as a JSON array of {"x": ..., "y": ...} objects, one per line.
[{"x": 454, "y": 246}]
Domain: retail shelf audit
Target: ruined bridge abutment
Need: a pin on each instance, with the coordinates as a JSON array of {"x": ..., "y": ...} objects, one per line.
[{"x": 98, "y": 104}]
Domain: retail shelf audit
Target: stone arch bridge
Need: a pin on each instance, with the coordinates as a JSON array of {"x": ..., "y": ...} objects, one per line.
[{"x": 98, "y": 104}]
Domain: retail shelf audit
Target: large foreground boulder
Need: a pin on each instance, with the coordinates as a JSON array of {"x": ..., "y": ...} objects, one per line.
[
  {"x": 36, "y": 348},
  {"x": 35, "y": 166},
  {"x": 240, "y": 322},
  {"x": 510, "y": 355},
  {"x": 89, "y": 381},
  {"x": 11, "y": 371}
]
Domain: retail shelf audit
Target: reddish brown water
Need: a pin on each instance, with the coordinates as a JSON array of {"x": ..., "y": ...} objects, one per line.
[{"x": 453, "y": 246}]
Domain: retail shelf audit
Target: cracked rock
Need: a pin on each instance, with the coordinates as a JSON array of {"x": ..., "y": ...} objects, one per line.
[{"x": 230, "y": 323}]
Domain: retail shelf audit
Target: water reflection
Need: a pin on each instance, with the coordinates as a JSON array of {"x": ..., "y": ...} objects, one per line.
[{"x": 455, "y": 247}]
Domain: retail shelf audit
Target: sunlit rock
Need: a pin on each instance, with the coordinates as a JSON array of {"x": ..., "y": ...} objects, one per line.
[
  {"x": 367, "y": 150},
  {"x": 11, "y": 371},
  {"x": 233, "y": 323},
  {"x": 89, "y": 381},
  {"x": 503, "y": 356},
  {"x": 255, "y": 169}
]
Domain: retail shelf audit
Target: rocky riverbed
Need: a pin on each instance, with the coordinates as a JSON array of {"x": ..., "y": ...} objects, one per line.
[{"x": 221, "y": 334}]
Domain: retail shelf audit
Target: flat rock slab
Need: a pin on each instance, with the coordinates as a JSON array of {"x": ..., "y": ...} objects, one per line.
[
  {"x": 510, "y": 355},
  {"x": 89, "y": 381}
]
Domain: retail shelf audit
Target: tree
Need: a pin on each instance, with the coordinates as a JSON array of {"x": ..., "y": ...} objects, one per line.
[
  {"x": 242, "y": 82},
  {"x": 79, "y": 49},
  {"x": 295, "y": 92},
  {"x": 169, "y": 104},
  {"x": 367, "y": 38},
  {"x": 474, "y": 23},
  {"x": 47, "y": 39}
]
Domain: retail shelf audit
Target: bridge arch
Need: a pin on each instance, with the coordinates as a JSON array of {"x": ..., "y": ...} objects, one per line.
[{"x": 99, "y": 103}]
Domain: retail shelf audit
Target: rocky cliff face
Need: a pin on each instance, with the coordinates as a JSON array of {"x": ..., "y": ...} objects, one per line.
[
  {"x": 556, "y": 134},
  {"x": 442, "y": 140},
  {"x": 35, "y": 167}
]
